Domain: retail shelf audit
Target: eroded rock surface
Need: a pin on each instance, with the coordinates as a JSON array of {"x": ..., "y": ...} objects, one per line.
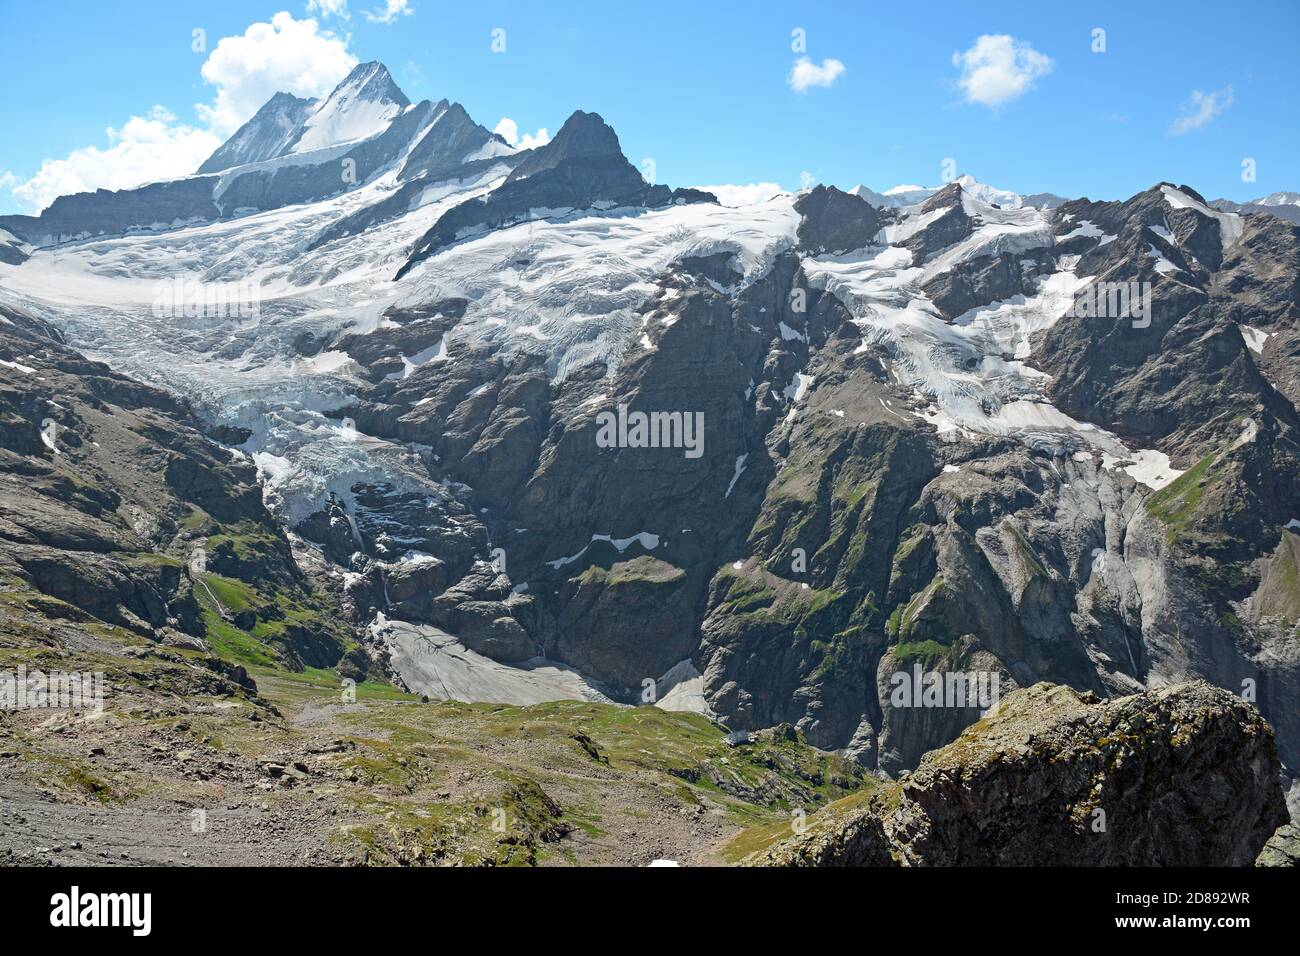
[{"x": 1186, "y": 775}]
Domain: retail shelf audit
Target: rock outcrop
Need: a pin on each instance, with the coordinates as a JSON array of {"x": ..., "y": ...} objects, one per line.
[
  {"x": 1186, "y": 775},
  {"x": 1282, "y": 849}
]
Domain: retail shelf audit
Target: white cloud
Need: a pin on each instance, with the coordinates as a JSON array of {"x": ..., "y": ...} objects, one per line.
[
  {"x": 145, "y": 149},
  {"x": 508, "y": 129},
  {"x": 749, "y": 194},
  {"x": 330, "y": 8},
  {"x": 807, "y": 180},
  {"x": 806, "y": 74},
  {"x": 1200, "y": 109},
  {"x": 998, "y": 68},
  {"x": 391, "y": 10},
  {"x": 247, "y": 70},
  {"x": 285, "y": 55}
]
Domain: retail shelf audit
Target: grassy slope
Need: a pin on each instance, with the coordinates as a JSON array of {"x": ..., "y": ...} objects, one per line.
[{"x": 405, "y": 781}]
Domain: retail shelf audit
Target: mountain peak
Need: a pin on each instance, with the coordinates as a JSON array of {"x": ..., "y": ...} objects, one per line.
[
  {"x": 908, "y": 195},
  {"x": 451, "y": 141},
  {"x": 584, "y": 137},
  {"x": 271, "y": 129},
  {"x": 372, "y": 81},
  {"x": 363, "y": 104},
  {"x": 1283, "y": 198}
]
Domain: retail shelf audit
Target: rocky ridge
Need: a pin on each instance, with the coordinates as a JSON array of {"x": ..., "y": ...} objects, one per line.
[{"x": 1186, "y": 775}]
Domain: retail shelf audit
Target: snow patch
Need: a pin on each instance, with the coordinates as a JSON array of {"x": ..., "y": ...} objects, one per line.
[
  {"x": 1255, "y": 338},
  {"x": 646, "y": 539},
  {"x": 740, "y": 467}
]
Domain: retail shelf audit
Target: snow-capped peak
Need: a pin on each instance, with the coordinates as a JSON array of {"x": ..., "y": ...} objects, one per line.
[
  {"x": 1283, "y": 198},
  {"x": 895, "y": 196},
  {"x": 910, "y": 195},
  {"x": 989, "y": 194},
  {"x": 359, "y": 107},
  {"x": 265, "y": 136}
]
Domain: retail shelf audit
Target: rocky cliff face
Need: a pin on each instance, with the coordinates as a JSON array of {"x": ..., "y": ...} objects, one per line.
[
  {"x": 1182, "y": 776},
  {"x": 116, "y": 510}
]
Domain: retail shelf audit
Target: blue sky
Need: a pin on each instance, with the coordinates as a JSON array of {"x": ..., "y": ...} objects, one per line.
[{"x": 704, "y": 89}]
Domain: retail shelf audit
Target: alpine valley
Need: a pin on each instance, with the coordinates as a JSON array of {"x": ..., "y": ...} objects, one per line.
[{"x": 392, "y": 476}]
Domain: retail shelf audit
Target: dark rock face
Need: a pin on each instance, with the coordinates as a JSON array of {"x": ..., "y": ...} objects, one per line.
[
  {"x": 442, "y": 150},
  {"x": 835, "y": 222},
  {"x": 331, "y": 528},
  {"x": 1182, "y": 776},
  {"x": 842, "y": 550},
  {"x": 481, "y": 611},
  {"x": 13, "y": 251},
  {"x": 646, "y": 599},
  {"x": 107, "y": 212},
  {"x": 581, "y": 168},
  {"x": 947, "y": 224},
  {"x": 980, "y": 282}
]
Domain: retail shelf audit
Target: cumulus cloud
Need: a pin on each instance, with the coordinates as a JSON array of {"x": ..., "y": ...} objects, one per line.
[
  {"x": 145, "y": 149},
  {"x": 998, "y": 68},
  {"x": 749, "y": 194},
  {"x": 330, "y": 8},
  {"x": 806, "y": 74},
  {"x": 1199, "y": 109},
  {"x": 284, "y": 55},
  {"x": 508, "y": 129},
  {"x": 390, "y": 11}
]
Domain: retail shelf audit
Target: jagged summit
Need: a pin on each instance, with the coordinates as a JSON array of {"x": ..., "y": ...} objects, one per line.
[
  {"x": 263, "y": 137},
  {"x": 910, "y": 195},
  {"x": 363, "y": 104},
  {"x": 454, "y": 138},
  {"x": 1283, "y": 198},
  {"x": 1283, "y": 204},
  {"x": 584, "y": 137},
  {"x": 583, "y": 167}
]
